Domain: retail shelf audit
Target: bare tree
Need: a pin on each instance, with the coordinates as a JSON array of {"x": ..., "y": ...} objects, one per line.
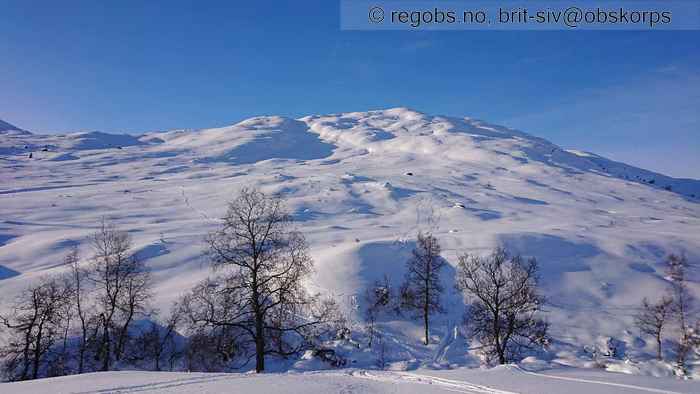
[
  {"x": 505, "y": 304},
  {"x": 137, "y": 284},
  {"x": 122, "y": 286},
  {"x": 80, "y": 309},
  {"x": 653, "y": 319},
  {"x": 58, "y": 363},
  {"x": 35, "y": 324},
  {"x": 676, "y": 266},
  {"x": 422, "y": 288},
  {"x": 262, "y": 263}
]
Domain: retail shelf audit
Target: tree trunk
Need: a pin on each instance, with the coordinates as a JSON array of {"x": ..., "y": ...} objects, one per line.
[
  {"x": 81, "y": 352},
  {"x": 259, "y": 345},
  {"x": 658, "y": 348},
  {"x": 26, "y": 352},
  {"x": 426, "y": 303},
  {"x": 83, "y": 328},
  {"x": 497, "y": 334},
  {"x": 123, "y": 333},
  {"x": 105, "y": 346},
  {"x": 259, "y": 317},
  {"x": 37, "y": 354},
  {"x": 425, "y": 323}
]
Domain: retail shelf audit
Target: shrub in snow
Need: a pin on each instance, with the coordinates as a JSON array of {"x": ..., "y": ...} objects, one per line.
[
  {"x": 329, "y": 356},
  {"x": 614, "y": 348},
  {"x": 212, "y": 350},
  {"x": 157, "y": 343},
  {"x": 379, "y": 298}
]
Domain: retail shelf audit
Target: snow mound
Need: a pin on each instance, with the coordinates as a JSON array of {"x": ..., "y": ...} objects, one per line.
[
  {"x": 98, "y": 140},
  {"x": 250, "y": 141}
]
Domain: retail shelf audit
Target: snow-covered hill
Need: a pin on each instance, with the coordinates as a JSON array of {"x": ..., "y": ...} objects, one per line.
[
  {"x": 361, "y": 185},
  {"x": 4, "y": 126}
]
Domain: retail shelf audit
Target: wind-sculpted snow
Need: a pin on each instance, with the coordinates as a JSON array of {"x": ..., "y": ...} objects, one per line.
[
  {"x": 361, "y": 185},
  {"x": 248, "y": 142},
  {"x": 59, "y": 147}
]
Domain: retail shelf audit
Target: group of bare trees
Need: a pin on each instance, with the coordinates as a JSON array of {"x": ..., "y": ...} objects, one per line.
[
  {"x": 95, "y": 315},
  {"x": 254, "y": 305},
  {"x": 672, "y": 312},
  {"x": 79, "y": 320},
  {"x": 505, "y": 307},
  {"x": 37, "y": 323},
  {"x": 504, "y": 312}
]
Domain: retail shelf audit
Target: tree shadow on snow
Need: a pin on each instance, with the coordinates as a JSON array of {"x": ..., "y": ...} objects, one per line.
[
  {"x": 555, "y": 255},
  {"x": 390, "y": 257}
]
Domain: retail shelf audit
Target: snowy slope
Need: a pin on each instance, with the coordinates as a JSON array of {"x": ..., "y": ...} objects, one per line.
[
  {"x": 361, "y": 185},
  {"x": 502, "y": 380}
]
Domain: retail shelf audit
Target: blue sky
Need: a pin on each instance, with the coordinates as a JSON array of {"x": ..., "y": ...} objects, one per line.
[{"x": 135, "y": 66}]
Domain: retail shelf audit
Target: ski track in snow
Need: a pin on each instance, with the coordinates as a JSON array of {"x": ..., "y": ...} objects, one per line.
[
  {"x": 160, "y": 386},
  {"x": 448, "y": 384},
  {"x": 579, "y": 380},
  {"x": 212, "y": 382}
]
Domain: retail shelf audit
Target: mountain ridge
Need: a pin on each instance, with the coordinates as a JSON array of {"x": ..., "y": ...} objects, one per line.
[
  {"x": 220, "y": 136},
  {"x": 5, "y": 126}
]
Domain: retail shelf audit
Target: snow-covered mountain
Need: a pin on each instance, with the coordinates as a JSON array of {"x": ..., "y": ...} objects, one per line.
[
  {"x": 10, "y": 129},
  {"x": 6, "y": 126},
  {"x": 361, "y": 185}
]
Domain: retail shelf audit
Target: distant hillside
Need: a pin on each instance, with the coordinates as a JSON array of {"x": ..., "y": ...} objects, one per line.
[{"x": 4, "y": 126}]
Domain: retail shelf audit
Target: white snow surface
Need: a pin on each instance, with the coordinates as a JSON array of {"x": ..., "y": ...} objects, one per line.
[
  {"x": 509, "y": 379},
  {"x": 361, "y": 185}
]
